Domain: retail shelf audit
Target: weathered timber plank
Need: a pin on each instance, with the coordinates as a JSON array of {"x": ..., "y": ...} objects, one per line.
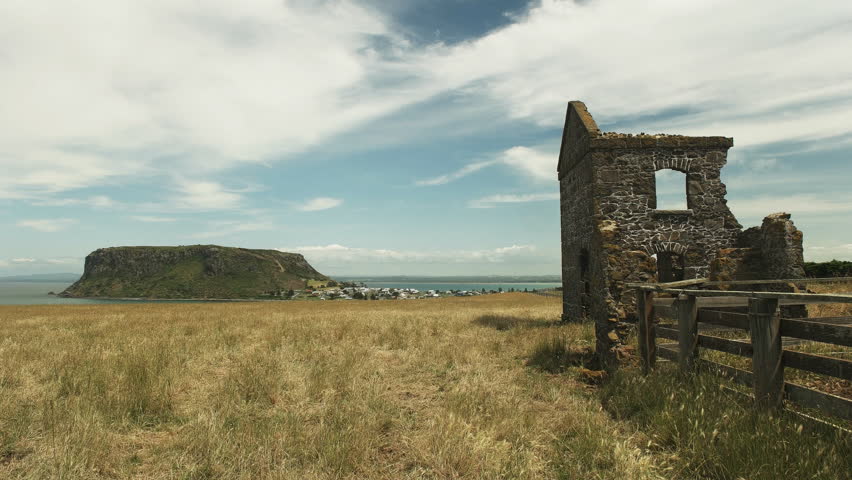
[
  {"x": 782, "y": 280},
  {"x": 813, "y": 424},
  {"x": 742, "y": 377},
  {"x": 704, "y": 282},
  {"x": 832, "y": 404},
  {"x": 765, "y": 329},
  {"x": 828, "y": 320},
  {"x": 809, "y": 423},
  {"x": 820, "y": 332},
  {"x": 670, "y": 333},
  {"x": 669, "y": 353},
  {"x": 805, "y": 297},
  {"x": 647, "y": 335},
  {"x": 735, "y": 347},
  {"x": 665, "y": 312},
  {"x": 656, "y": 286},
  {"x": 834, "y": 367},
  {"x": 737, "y": 301},
  {"x": 723, "y": 318},
  {"x": 687, "y": 307}
]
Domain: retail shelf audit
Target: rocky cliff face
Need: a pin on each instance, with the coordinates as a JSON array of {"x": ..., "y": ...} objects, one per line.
[{"x": 198, "y": 271}]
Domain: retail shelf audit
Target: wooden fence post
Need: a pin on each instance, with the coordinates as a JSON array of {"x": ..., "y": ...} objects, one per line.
[
  {"x": 687, "y": 309},
  {"x": 765, "y": 324},
  {"x": 647, "y": 333}
]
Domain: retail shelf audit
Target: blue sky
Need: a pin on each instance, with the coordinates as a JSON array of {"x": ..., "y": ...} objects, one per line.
[{"x": 397, "y": 137}]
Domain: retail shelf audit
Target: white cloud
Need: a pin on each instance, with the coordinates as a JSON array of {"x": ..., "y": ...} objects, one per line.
[
  {"x": 228, "y": 228},
  {"x": 36, "y": 262},
  {"x": 59, "y": 261},
  {"x": 450, "y": 177},
  {"x": 202, "y": 86},
  {"x": 763, "y": 163},
  {"x": 626, "y": 58},
  {"x": 320, "y": 203},
  {"x": 96, "y": 201},
  {"x": 47, "y": 225},
  {"x": 335, "y": 253},
  {"x": 199, "y": 87},
  {"x": 813, "y": 204},
  {"x": 202, "y": 195},
  {"x": 494, "y": 200},
  {"x": 537, "y": 165},
  {"x": 821, "y": 253},
  {"x": 42, "y": 261},
  {"x": 150, "y": 219}
]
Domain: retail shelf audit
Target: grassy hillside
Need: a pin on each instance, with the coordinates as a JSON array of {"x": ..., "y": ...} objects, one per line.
[{"x": 198, "y": 271}]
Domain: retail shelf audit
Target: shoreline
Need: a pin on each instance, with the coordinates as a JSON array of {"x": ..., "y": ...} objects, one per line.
[{"x": 144, "y": 299}]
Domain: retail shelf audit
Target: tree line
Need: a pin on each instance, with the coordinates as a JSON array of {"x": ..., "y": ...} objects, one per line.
[{"x": 833, "y": 268}]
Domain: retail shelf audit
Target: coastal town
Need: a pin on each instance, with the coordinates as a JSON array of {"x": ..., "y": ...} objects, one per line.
[{"x": 353, "y": 291}]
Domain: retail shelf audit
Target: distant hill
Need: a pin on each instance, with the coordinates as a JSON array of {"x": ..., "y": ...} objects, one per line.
[
  {"x": 197, "y": 271},
  {"x": 42, "y": 278}
]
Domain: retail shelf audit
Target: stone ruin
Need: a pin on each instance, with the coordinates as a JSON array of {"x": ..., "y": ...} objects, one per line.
[{"x": 613, "y": 233}]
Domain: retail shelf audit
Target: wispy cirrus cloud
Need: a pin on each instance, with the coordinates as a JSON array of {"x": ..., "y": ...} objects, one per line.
[
  {"x": 535, "y": 164},
  {"x": 460, "y": 173},
  {"x": 205, "y": 195},
  {"x": 319, "y": 203},
  {"x": 95, "y": 201},
  {"x": 503, "y": 199},
  {"x": 176, "y": 104},
  {"x": 43, "y": 261},
  {"x": 153, "y": 219},
  {"x": 47, "y": 225},
  {"x": 230, "y": 228}
]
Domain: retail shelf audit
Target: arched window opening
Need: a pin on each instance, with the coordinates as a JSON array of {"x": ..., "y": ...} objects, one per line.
[
  {"x": 670, "y": 267},
  {"x": 670, "y": 189}
]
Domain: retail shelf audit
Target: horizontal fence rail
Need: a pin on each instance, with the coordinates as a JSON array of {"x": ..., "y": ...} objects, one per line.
[{"x": 757, "y": 314}]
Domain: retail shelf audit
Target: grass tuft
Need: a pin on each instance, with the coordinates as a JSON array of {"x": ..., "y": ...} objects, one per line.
[
  {"x": 699, "y": 430},
  {"x": 556, "y": 354}
]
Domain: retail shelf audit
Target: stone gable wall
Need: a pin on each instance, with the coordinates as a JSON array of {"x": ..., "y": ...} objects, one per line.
[{"x": 608, "y": 207}]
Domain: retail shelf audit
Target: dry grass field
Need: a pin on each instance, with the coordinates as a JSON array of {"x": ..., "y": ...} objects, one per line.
[
  {"x": 303, "y": 390},
  {"x": 830, "y": 309}
]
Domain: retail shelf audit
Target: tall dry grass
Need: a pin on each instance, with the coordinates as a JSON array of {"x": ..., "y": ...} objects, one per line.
[
  {"x": 406, "y": 389},
  {"x": 830, "y": 309}
]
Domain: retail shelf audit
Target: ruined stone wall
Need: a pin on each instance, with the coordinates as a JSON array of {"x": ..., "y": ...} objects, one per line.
[
  {"x": 608, "y": 206},
  {"x": 781, "y": 247},
  {"x": 625, "y": 194},
  {"x": 770, "y": 251},
  {"x": 577, "y": 231}
]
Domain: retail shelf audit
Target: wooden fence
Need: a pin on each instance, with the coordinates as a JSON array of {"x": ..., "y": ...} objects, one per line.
[{"x": 691, "y": 306}]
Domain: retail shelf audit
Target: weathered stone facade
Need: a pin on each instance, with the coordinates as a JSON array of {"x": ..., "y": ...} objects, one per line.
[
  {"x": 611, "y": 229},
  {"x": 770, "y": 251}
]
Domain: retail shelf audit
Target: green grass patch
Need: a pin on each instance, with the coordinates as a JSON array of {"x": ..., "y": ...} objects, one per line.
[{"x": 699, "y": 430}]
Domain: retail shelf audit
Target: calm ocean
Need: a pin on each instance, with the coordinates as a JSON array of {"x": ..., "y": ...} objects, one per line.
[{"x": 36, "y": 293}]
